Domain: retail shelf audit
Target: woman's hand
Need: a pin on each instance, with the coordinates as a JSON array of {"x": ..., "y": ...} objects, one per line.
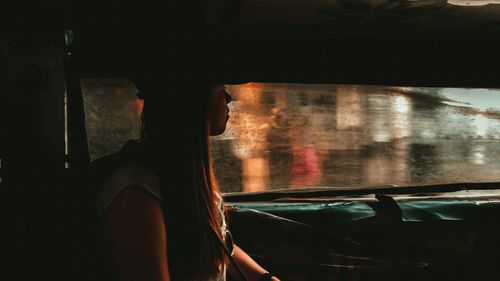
[{"x": 252, "y": 270}]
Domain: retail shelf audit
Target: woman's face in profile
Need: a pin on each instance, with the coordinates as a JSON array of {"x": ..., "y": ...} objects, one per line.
[{"x": 219, "y": 111}]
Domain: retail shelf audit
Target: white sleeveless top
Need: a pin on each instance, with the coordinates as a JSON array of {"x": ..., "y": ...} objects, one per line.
[{"x": 141, "y": 177}]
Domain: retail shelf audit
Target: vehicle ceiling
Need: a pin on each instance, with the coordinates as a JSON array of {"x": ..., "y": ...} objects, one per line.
[{"x": 380, "y": 42}]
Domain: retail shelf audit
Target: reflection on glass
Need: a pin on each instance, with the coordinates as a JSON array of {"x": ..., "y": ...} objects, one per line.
[
  {"x": 401, "y": 114},
  {"x": 349, "y": 108},
  {"x": 379, "y": 111},
  {"x": 298, "y": 136},
  {"x": 250, "y": 127},
  {"x": 255, "y": 174},
  {"x": 307, "y": 166},
  {"x": 283, "y": 136}
]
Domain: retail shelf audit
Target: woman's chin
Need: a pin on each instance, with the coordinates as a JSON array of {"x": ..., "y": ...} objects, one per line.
[{"x": 217, "y": 131}]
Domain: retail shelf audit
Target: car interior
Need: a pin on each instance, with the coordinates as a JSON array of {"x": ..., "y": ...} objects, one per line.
[{"x": 364, "y": 141}]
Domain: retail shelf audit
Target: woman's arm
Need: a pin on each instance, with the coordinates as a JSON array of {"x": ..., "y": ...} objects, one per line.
[
  {"x": 137, "y": 229},
  {"x": 252, "y": 270}
]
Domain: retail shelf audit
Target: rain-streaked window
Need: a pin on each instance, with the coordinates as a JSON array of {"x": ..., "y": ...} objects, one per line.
[
  {"x": 290, "y": 136},
  {"x": 112, "y": 114}
]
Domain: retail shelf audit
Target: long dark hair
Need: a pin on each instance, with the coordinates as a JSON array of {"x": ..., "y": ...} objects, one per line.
[{"x": 177, "y": 147}]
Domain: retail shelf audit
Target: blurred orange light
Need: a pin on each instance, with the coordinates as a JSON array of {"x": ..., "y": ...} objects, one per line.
[{"x": 138, "y": 105}]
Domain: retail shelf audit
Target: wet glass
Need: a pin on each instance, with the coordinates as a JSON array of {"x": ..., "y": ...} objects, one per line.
[
  {"x": 112, "y": 114},
  {"x": 290, "y": 136}
]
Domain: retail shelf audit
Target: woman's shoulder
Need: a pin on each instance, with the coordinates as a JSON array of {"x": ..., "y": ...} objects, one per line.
[{"x": 135, "y": 176}]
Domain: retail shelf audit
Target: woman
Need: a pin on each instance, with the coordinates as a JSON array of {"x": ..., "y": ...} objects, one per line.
[{"x": 161, "y": 209}]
